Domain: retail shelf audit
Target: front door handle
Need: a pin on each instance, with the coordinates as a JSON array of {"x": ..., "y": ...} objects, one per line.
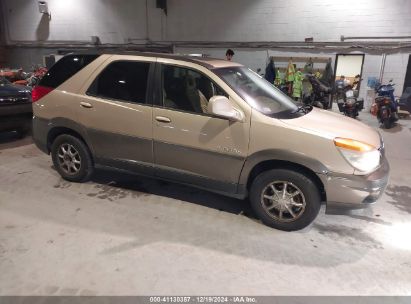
[
  {"x": 163, "y": 119},
  {"x": 86, "y": 104}
]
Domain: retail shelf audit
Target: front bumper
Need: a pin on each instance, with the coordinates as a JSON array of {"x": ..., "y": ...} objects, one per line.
[{"x": 355, "y": 191}]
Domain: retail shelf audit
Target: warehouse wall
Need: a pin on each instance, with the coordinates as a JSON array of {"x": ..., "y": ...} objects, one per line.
[
  {"x": 75, "y": 20},
  {"x": 2, "y": 41},
  {"x": 291, "y": 20},
  {"x": 24, "y": 58},
  {"x": 211, "y": 20}
]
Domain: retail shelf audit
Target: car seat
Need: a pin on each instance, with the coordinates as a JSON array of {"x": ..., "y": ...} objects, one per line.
[
  {"x": 192, "y": 93},
  {"x": 205, "y": 91},
  {"x": 168, "y": 103}
]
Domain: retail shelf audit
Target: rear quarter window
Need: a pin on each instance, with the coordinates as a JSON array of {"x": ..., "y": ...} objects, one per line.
[{"x": 65, "y": 68}]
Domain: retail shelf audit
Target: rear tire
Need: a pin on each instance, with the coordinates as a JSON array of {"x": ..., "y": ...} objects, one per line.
[
  {"x": 318, "y": 104},
  {"x": 387, "y": 123},
  {"x": 291, "y": 209},
  {"x": 72, "y": 158},
  {"x": 330, "y": 102}
]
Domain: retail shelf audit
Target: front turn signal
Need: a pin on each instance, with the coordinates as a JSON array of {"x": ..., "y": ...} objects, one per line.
[{"x": 352, "y": 144}]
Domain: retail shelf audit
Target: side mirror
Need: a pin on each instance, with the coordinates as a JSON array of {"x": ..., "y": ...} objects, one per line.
[{"x": 220, "y": 106}]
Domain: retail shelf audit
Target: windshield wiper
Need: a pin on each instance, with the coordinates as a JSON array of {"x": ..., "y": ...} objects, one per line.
[{"x": 303, "y": 109}]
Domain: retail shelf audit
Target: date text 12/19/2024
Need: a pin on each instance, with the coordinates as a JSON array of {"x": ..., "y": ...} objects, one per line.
[{"x": 203, "y": 299}]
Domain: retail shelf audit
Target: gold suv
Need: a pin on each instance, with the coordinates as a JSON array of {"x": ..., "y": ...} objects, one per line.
[{"x": 208, "y": 123}]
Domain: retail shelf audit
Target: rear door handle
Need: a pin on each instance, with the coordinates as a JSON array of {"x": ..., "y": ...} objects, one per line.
[
  {"x": 163, "y": 119},
  {"x": 86, "y": 104}
]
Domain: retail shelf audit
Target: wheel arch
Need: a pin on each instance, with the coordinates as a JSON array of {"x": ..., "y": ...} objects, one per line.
[
  {"x": 267, "y": 160},
  {"x": 61, "y": 126}
]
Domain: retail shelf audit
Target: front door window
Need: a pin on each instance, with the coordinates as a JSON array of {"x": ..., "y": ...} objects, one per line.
[{"x": 187, "y": 90}]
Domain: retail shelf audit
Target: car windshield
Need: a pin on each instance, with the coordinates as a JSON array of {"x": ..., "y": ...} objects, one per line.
[
  {"x": 4, "y": 81},
  {"x": 257, "y": 92}
]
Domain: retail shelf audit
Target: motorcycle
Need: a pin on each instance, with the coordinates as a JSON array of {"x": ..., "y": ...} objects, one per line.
[
  {"x": 11, "y": 74},
  {"x": 320, "y": 96},
  {"x": 283, "y": 88},
  {"x": 340, "y": 86},
  {"x": 385, "y": 106},
  {"x": 347, "y": 102},
  {"x": 32, "y": 79}
]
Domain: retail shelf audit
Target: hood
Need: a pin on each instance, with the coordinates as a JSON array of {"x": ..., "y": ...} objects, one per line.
[
  {"x": 331, "y": 125},
  {"x": 7, "y": 90}
]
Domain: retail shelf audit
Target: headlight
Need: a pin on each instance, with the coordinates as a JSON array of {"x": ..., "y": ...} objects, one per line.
[{"x": 361, "y": 156}]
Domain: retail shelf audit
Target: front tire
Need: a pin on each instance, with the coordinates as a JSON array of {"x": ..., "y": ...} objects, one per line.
[
  {"x": 71, "y": 158},
  {"x": 285, "y": 199}
]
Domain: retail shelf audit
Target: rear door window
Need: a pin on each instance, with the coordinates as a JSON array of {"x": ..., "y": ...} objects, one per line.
[
  {"x": 122, "y": 80},
  {"x": 65, "y": 68}
]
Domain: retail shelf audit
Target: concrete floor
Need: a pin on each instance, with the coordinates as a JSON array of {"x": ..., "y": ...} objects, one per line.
[{"x": 124, "y": 235}]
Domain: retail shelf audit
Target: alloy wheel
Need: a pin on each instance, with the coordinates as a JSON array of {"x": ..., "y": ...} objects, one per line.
[
  {"x": 69, "y": 159},
  {"x": 283, "y": 201}
]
